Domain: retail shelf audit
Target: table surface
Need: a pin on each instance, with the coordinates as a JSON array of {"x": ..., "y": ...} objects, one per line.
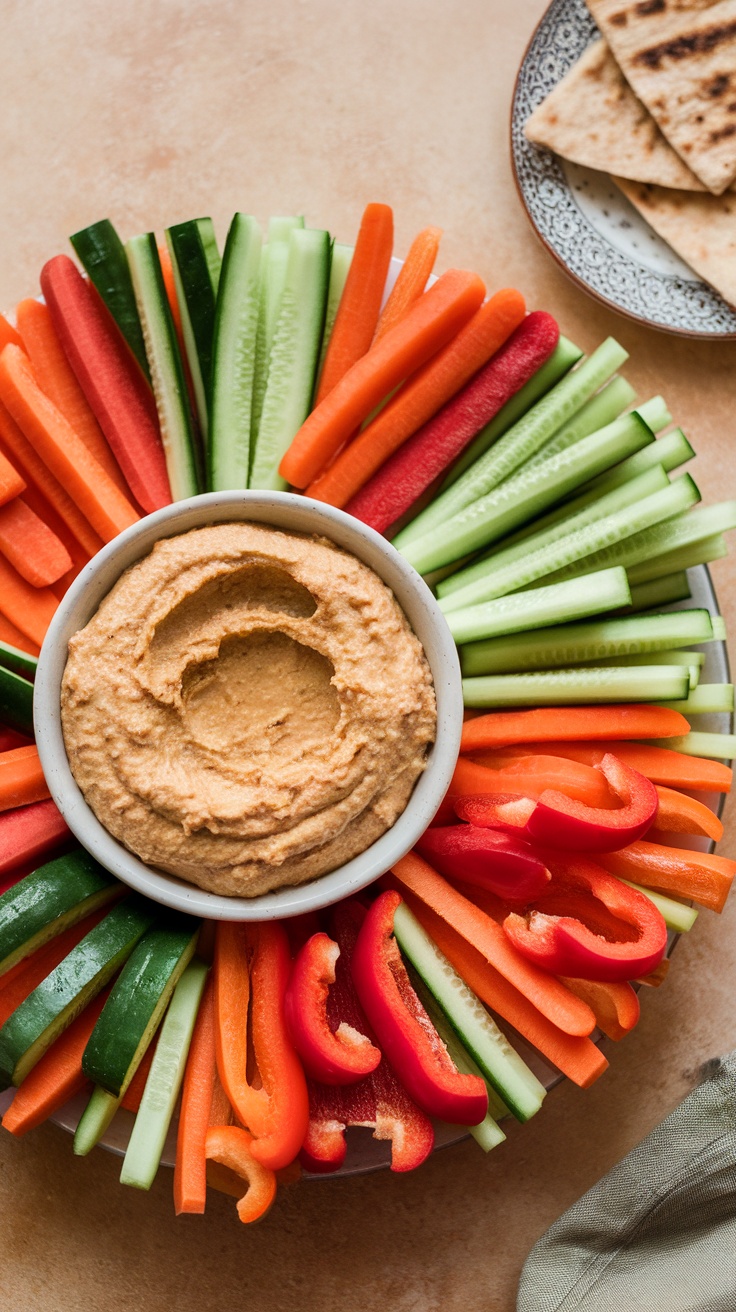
[{"x": 150, "y": 114}]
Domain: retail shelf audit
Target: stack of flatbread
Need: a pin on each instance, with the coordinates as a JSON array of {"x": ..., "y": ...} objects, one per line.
[{"x": 653, "y": 103}]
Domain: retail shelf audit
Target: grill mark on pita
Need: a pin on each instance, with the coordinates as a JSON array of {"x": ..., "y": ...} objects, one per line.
[
  {"x": 718, "y": 85},
  {"x": 620, "y": 19},
  {"x": 720, "y": 134},
  {"x": 681, "y": 47},
  {"x": 646, "y": 7}
]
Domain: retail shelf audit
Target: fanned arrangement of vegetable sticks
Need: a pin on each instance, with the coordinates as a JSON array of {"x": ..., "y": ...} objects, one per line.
[{"x": 546, "y": 505}]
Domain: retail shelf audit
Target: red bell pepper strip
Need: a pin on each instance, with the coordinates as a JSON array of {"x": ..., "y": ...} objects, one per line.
[
  {"x": 407, "y": 474},
  {"x": 581, "y": 782},
  {"x": 569, "y": 723},
  {"x": 566, "y": 946},
  {"x": 379, "y": 1100},
  {"x": 503, "y": 811},
  {"x": 232, "y": 1147},
  {"x": 404, "y": 1030},
  {"x": 559, "y": 821},
  {"x": 27, "y": 834},
  {"x": 339, "y": 1057},
  {"x": 616, "y": 1006},
  {"x": 495, "y": 860},
  {"x": 702, "y": 877}
]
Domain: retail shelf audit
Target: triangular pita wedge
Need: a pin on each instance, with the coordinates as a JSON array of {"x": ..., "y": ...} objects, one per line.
[
  {"x": 680, "y": 58},
  {"x": 701, "y": 228},
  {"x": 593, "y": 118}
]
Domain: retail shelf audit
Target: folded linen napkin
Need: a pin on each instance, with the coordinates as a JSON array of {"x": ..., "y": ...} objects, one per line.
[{"x": 659, "y": 1231}]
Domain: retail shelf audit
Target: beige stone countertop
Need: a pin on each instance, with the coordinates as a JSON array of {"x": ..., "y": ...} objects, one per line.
[{"x": 153, "y": 113}]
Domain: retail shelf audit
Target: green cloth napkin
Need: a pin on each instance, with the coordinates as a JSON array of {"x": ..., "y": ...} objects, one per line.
[{"x": 659, "y": 1231}]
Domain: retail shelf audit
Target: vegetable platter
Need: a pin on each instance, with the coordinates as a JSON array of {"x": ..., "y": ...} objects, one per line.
[{"x": 545, "y": 504}]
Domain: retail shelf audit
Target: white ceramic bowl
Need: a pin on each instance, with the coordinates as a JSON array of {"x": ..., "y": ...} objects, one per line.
[{"x": 287, "y": 511}]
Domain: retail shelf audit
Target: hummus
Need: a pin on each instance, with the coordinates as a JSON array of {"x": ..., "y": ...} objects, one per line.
[{"x": 248, "y": 708}]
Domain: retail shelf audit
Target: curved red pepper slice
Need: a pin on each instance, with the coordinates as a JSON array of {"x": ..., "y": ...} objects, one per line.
[
  {"x": 566, "y": 945},
  {"x": 506, "y": 811},
  {"x": 504, "y": 864},
  {"x": 404, "y": 1030},
  {"x": 338, "y": 1057},
  {"x": 558, "y": 821}
]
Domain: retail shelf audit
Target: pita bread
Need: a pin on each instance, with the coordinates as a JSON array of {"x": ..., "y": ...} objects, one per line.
[
  {"x": 593, "y": 118},
  {"x": 700, "y": 227},
  {"x": 679, "y": 56}
]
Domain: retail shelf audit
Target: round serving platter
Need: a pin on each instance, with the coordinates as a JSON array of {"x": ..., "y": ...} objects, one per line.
[
  {"x": 365, "y": 1153},
  {"x": 582, "y": 218}
]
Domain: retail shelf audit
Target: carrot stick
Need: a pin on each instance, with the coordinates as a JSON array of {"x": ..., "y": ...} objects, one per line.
[
  {"x": 616, "y": 1006},
  {"x": 8, "y": 334},
  {"x": 581, "y": 782},
  {"x": 428, "y": 326},
  {"x": 190, "y": 1171},
  {"x": 11, "y": 483},
  {"x": 421, "y": 397},
  {"x": 30, "y": 609},
  {"x": 21, "y": 778},
  {"x": 697, "y": 876},
  {"x": 167, "y": 270},
  {"x": 104, "y": 505},
  {"x": 57, "y": 379},
  {"x": 576, "y": 1056},
  {"x": 500, "y": 728},
  {"x": 15, "y": 986},
  {"x": 30, "y": 545},
  {"x": 42, "y": 483},
  {"x": 13, "y": 636},
  {"x": 677, "y": 813},
  {"x": 57, "y": 1077},
  {"x": 660, "y": 764},
  {"x": 411, "y": 279},
  {"x": 543, "y": 990},
  {"x": 360, "y": 303}
]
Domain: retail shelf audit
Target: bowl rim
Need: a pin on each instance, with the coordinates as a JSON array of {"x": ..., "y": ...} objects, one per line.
[{"x": 82, "y": 600}]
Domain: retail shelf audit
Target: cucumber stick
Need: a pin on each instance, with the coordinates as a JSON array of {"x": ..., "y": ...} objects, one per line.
[
  {"x": 578, "y": 552},
  {"x": 676, "y": 915},
  {"x": 504, "y": 553},
  {"x": 138, "y": 999},
  {"x": 572, "y": 644},
  {"x": 628, "y": 683},
  {"x": 17, "y": 661},
  {"x": 597, "y": 413},
  {"x": 520, "y": 442},
  {"x": 718, "y": 746},
  {"x": 561, "y": 361},
  {"x": 293, "y": 361},
  {"x": 152, "y": 1121},
  {"x": 103, "y": 256},
  {"x": 515, "y": 1084},
  {"x": 649, "y": 572},
  {"x": 661, "y": 591},
  {"x": 211, "y": 250},
  {"x": 660, "y": 538},
  {"x": 706, "y": 699},
  {"x": 196, "y": 297},
  {"x": 233, "y": 357},
  {"x": 49, "y": 900},
  {"x": 16, "y": 702},
  {"x": 274, "y": 260},
  {"x": 59, "y": 998},
  {"x": 522, "y": 497},
  {"x": 692, "y": 661},
  {"x": 165, "y": 364},
  {"x": 539, "y": 607},
  {"x": 340, "y": 260}
]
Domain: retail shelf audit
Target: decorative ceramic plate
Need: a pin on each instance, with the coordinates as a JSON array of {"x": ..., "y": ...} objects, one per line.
[
  {"x": 582, "y": 218},
  {"x": 364, "y": 1152}
]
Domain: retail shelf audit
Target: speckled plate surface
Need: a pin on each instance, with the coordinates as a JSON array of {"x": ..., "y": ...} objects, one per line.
[{"x": 582, "y": 218}]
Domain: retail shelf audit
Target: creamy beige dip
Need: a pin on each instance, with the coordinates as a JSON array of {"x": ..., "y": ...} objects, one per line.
[{"x": 247, "y": 708}]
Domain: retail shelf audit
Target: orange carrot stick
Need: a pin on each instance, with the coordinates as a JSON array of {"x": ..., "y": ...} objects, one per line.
[
  {"x": 30, "y": 609},
  {"x": 360, "y": 303},
  {"x": 18, "y": 982},
  {"x": 420, "y": 398},
  {"x": 41, "y": 483},
  {"x": 500, "y": 728},
  {"x": 697, "y": 876},
  {"x": 660, "y": 764},
  {"x": 14, "y": 637},
  {"x": 104, "y": 505},
  {"x": 30, "y": 545},
  {"x": 21, "y": 778},
  {"x": 543, "y": 990},
  {"x": 428, "y": 326},
  {"x": 411, "y": 279},
  {"x": 8, "y": 334},
  {"x": 11, "y": 483},
  {"x": 190, "y": 1171},
  {"x": 616, "y": 1006},
  {"x": 576, "y": 1056},
  {"x": 57, "y": 1077},
  {"x": 57, "y": 379},
  {"x": 167, "y": 270}
]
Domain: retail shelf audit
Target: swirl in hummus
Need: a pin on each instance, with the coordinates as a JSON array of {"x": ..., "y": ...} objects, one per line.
[{"x": 248, "y": 708}]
